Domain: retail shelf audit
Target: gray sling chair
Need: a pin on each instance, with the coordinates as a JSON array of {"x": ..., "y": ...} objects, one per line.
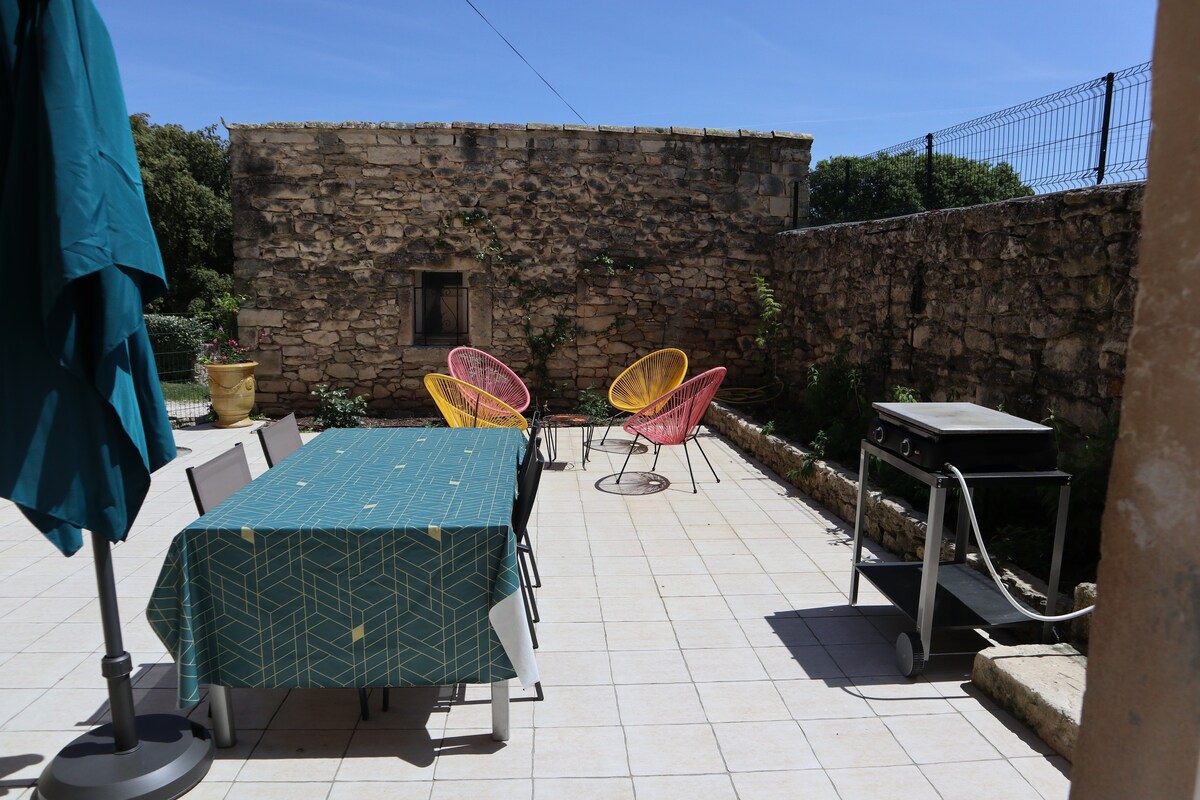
[
  {"x": 217, "y": 479},
  {"x": 280, "y": 439}
]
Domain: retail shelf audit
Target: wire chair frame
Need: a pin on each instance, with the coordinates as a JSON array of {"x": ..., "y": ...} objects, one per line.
[
  {"x": 643, "y": 381},
  {"x": 490, "y": 374},
  {"x": 675, "y": 418},
  {"x": 466, "y": 406}
]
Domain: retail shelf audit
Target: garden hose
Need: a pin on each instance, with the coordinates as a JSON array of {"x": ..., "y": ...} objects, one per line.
[{"x": 987, "y": 560}]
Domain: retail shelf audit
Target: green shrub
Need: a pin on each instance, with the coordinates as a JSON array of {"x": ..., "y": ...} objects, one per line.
[
  {"x": 172, "y": 334},
  {"x": 335, "y": 409},
  {"x": 593, "y": 403}
]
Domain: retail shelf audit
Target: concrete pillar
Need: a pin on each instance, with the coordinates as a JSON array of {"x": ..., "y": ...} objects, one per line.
[{"x": 1141, "y": 712}]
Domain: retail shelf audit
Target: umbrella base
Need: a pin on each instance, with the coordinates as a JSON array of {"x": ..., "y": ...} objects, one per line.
[{"x": 174, "y": 755}]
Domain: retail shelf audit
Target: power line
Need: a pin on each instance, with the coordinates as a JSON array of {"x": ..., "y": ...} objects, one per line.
[{"x": 518, "y": 52}]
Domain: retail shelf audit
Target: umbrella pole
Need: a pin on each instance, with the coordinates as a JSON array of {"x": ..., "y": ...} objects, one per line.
[
  {"x": 116, "y": 664},
  {"x": 147, "y": 757}
]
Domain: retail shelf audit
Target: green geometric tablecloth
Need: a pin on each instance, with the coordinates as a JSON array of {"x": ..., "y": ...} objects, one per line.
[{"x": 368, "y": 557}]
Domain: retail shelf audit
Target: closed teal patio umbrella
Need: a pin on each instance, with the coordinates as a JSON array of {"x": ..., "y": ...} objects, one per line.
[{"x": 82, "y": 420}]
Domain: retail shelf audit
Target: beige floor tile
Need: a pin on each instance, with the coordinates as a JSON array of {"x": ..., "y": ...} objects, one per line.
[
  {"x": 677, "y": 565},
  {"x": 724, "y": 664},
  {"x": 575, "y": 668},
  {"x": 659, "y": 704},
  {"x": 620, "y": 566},
  {"x": 26, "y": 753},
  {"x": 845, "y": 630},
  {"x": 864, "y": 660},
  {"x": 692, "y": 608},
  {"x": 812, "y": 605},
  {"x": 686, "y": 586},
  {"x": 14, "y": 701},
  {"x": 473, "y": 714},
  {"x": 935, "y": 738},
  {"x": 743, "y": 583},
  {"x": 827, "y": 698},
  {"x": 60, "y": 709},
  {"x": 716, "y": 548},
  {"x": 19, "y": 636},
  {"x": 570, "y": 636},
  {"x": 757, "y": 606},
  {"x": 709, "y": 633},
  {"x": 684, "y": 787},
  {"x": 228, "y": 761},
  {"x": 584, "y": 788},
  {"x": 1009, "y": 736},
  {"x": 617, "y": 585},
  {"x": 316, "y": 709},
  {"x": 734, "y": 701},
  {"x": 1050, "y": 776},
  {"x": 295, "y": 756},
  {"x": 853, "y": 743},
  {"x": 577, "y": 706},
  {"x": 882, "y": 783},
  {"x": 632, "y": 609},
  {"x": 209, "y": 790},
  {"x": 648, "y": 666},
  {"x": 809, "y": 784},
  {"x": 979, "y": 780},
  {"x": 797, "y": 663},
  {"x": 477, "y": 757},
  {"x": 569, "y": 609},
  {"x": 733, "y": 565},
  {"x": 559, "y": 586},
  {"x": 380, "y": 790},
  {"x": 278, "y": 791},
  {"x": 390, "y": 756},
  {"x": 566, "y": 566},
  {"x": 672, "y": 750},
  {"x": 776, "y": 630},
  {"x": 759, "y": 746},
  {"x": 518, "y": 789},
  {"x": 667, "y": 547},
  {"x": 40, "y": 670},
  {"x": 640, "y": 636},
  {"x": 580, "y": 753},
  {"x": 898, "y": 695}
]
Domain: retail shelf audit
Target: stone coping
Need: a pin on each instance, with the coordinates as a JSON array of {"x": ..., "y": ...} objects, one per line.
[{"x": 649, "y": 130}]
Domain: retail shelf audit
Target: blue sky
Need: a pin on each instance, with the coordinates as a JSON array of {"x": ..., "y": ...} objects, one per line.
[{"x": 857, "y": 75}]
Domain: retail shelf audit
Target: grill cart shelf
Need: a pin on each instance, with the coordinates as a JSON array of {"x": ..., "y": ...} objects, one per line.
[{"x": 951, "y": 594}]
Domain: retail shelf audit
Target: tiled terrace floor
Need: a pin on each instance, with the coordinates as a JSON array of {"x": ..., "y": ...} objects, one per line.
[{"x": 692, "y": 646}]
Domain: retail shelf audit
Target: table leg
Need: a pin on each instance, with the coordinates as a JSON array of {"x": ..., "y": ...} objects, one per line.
[
  {"x": 500, "y": 711},
  {"x": 221, "y": 705}
]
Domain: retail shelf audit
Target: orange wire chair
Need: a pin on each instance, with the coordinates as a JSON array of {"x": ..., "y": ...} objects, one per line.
[
  {"x": 648, "y": 378},
  {"x": 675, "y": 417},
  {"x": 467, "y": 406},
  {"x": 490, "y": 374}
]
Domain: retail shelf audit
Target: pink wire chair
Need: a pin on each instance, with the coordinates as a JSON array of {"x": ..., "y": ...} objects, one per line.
[
  {"x": 490, "y": 374},
  {"x": 675, "y": 417}
]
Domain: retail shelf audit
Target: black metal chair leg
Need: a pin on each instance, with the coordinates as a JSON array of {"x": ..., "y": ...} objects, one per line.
[
  {"x": 689, "y": 463},
  {"x": 627, "y": 455},
  {"x": 538, "y": 688},
  {"x": 524, "y": 547},
  {"x": 362, "y": 704},
  {"x": 706, "y": 461},
  {"x": 657, "y": 450},
  {"x": 531, "y": 599},
  {"x": 528, "y": 614}
]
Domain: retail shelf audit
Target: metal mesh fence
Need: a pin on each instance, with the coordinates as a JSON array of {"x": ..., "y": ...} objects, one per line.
[
  {"x": 1090, "y": 134},
  {"x": 182, "y": 377}
]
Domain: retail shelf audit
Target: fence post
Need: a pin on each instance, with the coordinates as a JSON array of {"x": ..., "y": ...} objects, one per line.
[
  {"x": 1108, "y": 96},
  {"x": 928, "y": 171}
]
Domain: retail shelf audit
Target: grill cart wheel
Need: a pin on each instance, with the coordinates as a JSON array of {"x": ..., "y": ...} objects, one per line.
[{"x": 909, "y": 655}]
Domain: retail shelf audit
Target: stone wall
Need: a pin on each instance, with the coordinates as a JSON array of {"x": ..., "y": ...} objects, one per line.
[
  {"x": 1025, "y": 304},
  {"x": 633, "y": 238}
]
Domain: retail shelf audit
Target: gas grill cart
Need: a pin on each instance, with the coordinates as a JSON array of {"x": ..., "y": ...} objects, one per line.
[{"x": 990, "y": 448}]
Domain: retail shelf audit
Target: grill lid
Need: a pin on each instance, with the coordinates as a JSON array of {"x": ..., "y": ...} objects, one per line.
[{"x": 941, "y": 419}]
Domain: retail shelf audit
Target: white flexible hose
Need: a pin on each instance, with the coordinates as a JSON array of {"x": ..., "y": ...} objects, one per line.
[{"x": 987, "y": 560}]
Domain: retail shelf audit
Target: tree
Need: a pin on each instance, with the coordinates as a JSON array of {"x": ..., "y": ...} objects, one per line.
[
  {"x": 186, "y": 178},
  {"x": 850, "y": 188}
]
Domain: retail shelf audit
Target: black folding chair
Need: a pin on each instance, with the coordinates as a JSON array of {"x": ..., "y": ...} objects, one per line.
[
  {"x": 528, "y": 480},
  {"x": 280, "y": 439}
]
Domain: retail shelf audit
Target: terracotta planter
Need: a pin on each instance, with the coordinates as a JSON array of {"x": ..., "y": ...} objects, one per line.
[{"x": 231, "y": 387}]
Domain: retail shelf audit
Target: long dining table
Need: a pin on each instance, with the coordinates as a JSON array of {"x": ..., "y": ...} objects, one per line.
[{"x": 367, "y": 558}]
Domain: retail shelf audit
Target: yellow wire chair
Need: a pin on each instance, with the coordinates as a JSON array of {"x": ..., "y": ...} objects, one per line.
[
  {"x": 646, "y": 380},
  {"x": 467, "y": 406}
]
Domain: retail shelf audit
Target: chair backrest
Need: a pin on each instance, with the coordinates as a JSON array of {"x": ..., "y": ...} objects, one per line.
[
  {"x": 532, "y": 445},
  {"x": 280, "y": 439},
  {"x": 528, "y": 481},
  {"x": 216, "y": 479},
  {"x": 490, "y": 374},
  {"x": 648, "y": 378},
  {"x": 467, "y": 406},
  {"x": 670, "y": 418}
]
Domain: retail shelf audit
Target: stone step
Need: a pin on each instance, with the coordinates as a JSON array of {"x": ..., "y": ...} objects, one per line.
[{"x": 1039, "y": 684}]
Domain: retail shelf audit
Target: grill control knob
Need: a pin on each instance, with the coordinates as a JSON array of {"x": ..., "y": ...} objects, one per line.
[
  {"x": 906, "y": 447},
  {"x": 879, "y": 434}
]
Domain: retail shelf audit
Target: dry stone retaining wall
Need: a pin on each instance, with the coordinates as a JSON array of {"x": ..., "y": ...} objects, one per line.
[
  {"x": 640, "y": 237},
  {"x": 1025, "y": 304}
]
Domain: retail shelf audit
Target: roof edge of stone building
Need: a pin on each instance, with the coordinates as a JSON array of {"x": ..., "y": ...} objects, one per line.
[{"x": 646, "y": 130}]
